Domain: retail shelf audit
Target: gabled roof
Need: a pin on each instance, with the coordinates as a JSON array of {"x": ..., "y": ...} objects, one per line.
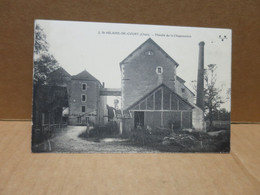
[
  {"x": 60, "y": 71},
  {"x": 180, "y": 79},
  {"x": 182, "y": 82},
  {"x": 189, "y": 90},
  {"x": 84, "y": 75},
  {"x": 156, "y": 45},
  {"x": 155, "y": 89}
]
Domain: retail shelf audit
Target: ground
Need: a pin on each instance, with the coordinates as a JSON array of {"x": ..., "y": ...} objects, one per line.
[{"x": 68, "y": 141}]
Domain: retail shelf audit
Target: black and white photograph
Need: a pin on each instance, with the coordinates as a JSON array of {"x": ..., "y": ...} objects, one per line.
[{"x": 130, "y": 88}]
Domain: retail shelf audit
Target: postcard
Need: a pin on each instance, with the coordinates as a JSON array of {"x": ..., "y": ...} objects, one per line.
[{"x": 130, "y": 88}]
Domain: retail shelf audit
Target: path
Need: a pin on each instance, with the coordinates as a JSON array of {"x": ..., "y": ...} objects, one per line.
[{"x": 68, "y": 141}]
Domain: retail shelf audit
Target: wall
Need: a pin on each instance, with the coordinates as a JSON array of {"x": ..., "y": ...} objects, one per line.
[
  {"x": 75, "y": 102},
  {"x": 187, "y": 94},
  {"x": 139, "y": 74},
  {"x": 198, "y": 119},
  {"x": 103, "y": 110},
  {"x": 172, "y": 119}
]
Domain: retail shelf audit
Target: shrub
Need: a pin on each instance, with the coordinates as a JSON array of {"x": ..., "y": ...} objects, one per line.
[{"x": 110, "y": 129}]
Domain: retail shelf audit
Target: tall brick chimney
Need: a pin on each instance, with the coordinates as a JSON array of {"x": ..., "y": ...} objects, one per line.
[{"x": 200, "y": 79}]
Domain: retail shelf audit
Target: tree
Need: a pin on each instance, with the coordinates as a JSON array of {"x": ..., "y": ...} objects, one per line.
[
  {"x": 213, "y": 99},
  {"x": 44, "y": 62},
  {"x": 222, "y": 115}
]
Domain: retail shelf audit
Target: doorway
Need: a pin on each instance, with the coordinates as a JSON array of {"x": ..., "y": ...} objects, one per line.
[{"x": 139, "y": 119}]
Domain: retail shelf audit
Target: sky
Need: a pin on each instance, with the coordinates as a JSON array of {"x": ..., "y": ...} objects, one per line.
[{"x": 100, "y": 47}]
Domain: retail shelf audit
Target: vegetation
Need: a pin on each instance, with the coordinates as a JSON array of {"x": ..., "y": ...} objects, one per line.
[
  {"x": 182, "y": 141},
  {"x": 111, "y": 129},
  {"x": 48, "y": 101},
  {"x": 213, "y": 98},
  {"x": 212, "y": 94},
  {"x": 44, "y": 62}
]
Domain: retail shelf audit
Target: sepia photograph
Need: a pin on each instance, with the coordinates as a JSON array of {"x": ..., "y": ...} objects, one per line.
[{"x": 130, "y": 88}]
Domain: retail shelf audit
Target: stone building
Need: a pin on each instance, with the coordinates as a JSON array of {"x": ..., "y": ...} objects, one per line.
[
  {"x": 85, "y": 103},
  {"x": 153, "y": 94}
]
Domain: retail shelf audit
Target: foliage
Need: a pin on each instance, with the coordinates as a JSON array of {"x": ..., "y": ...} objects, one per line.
[
  {"x": 40, "y": 43},
  {"x": 213, "y": 99},
  {"x": 111, "y": 129},
  {"x": 44, "y": 62},
  {"x": 182, "y": 141},
  {"x": 221, "y": 115}
]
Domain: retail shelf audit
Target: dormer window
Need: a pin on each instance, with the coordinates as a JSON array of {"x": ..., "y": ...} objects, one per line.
[
  {"x": 84, "y": 86},
  {"x": 149, "y": 53},
  {"x": 159, "y": 70}
]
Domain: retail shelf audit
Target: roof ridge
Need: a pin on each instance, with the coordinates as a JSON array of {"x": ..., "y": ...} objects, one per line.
[
  {"x": 84, "y": 74},
  {"x": 60, "y": 69},
  {"x": 148, "y": 40}
]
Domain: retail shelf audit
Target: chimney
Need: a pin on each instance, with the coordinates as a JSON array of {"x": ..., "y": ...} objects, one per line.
[{"x": 200, "y": 79}]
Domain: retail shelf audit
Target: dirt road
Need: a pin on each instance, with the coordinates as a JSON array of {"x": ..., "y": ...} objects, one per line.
[{"x": 68, "y": 141}]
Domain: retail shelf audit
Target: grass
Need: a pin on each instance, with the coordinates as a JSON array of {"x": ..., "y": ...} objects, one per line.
[
  {"x": 164, "y": 140},
  {"x": 110, "y": 130},
  {"x": 180, "y": 141}
]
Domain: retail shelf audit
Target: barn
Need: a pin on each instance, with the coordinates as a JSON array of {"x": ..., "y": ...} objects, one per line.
[
  {"x": 162, "y": 107},
  {"x": 152, "y": 93}
]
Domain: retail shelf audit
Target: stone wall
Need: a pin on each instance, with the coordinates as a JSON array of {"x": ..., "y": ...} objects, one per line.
[
  {"x": 76, "y": 103},
  {"x": 139, "y": 76}
]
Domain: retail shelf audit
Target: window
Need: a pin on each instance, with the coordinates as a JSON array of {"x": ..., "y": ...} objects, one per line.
[
  {"x": 159, "y": 70},
  {"x": 182, "y": 90},
  {"x": 79, "y": 119},
  {"x": 83, "y": 98},
  {"x": 149, "y": 53},
  {"x": 84, "y": 86},
  {"x": 83, "y": 109}
]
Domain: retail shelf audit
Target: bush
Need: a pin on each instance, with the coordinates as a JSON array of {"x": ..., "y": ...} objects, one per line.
[
  {"x": 144, "y": 136},
  {"x": 110, "y": 129}
]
